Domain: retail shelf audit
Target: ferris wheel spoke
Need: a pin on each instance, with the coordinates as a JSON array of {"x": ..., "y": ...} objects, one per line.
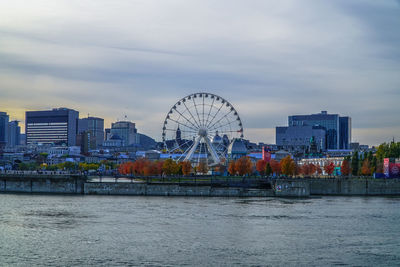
[
  {"x": 221, "y": 126},
  {"x": 203, "y": 109},
  {"x": 179, "y": 146},
  {"x": 184, "y": 153},
  {"x": 183, "y": 116},
  {"x": 225, "y": 116},
  {"x": 195, "y": 106},
  {"x": 198, "y": 155},
  {"x": 183, "y": 131},
  {"x": 184, "y": 125},
  {"x": 215, "y": 115},
  {"x": 209, "y": 112},
  {"x": 198, "y": 125}
]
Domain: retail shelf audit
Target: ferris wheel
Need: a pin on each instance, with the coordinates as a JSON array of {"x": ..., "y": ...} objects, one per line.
[{"x": 200, "y": 127}]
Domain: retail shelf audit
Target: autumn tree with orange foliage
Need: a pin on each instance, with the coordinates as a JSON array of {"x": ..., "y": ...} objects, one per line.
[
  {"x": 139, "y": 166},
  {"x": 202, "y": 167},
  {"x": 126, "y": 168},
  {"x": 288, "y": 166},
  {"x": 158, "y": 167},
  {"x": 308, "y": 169},
  {"x": 366, "y": 168},
  {"x": 232, "y": 167},
  {"x": 261, "y": 166},
  {"x": 345, "y": 168},
  {"x": 329, "y": 168},
  {"x": 186, "y": 167},
  {"x": 244, "y": 166},
  {"x": 275, "y": 166}
]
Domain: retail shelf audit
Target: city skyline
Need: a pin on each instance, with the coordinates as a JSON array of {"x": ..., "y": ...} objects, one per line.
[{"x": 139, "y": 58}]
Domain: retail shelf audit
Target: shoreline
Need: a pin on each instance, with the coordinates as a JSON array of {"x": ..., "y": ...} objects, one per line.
[{"x": 300, "y": 187}]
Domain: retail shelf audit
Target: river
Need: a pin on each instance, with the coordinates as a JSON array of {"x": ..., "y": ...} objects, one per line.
[{"x": 50, "y": 230}]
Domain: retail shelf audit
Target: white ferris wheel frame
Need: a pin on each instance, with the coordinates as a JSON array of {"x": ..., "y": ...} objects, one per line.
[{"x": 201, "y": 124}]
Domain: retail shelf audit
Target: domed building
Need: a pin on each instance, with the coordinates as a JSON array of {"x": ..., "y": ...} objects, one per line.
[
  {"x": 114, "y": 141},
  {"x": 237, "y": 149}
]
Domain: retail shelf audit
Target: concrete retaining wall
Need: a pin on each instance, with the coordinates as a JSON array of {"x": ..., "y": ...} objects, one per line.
[
  {"x": 281, "y": 187},
  {"x": 291, "y": 188},
  {"x": 355, "y": 186},
  {"x": 42, "y": 185},
  {"x": 142, "y": 189}
]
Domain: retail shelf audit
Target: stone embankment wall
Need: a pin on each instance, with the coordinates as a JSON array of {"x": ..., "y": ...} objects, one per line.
[
  {"x": 42, "y": 184},
  {"x": 354, "y": 186},
  {"x": 281, "y": 188},
  {"x": 143, "y": 189},
  {"x": 291, "y": 188}
]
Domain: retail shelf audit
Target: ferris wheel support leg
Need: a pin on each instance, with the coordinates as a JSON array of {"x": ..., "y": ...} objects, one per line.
[
  {"x": 193, "y": 149},
  {"x": 213, "y": 153}
]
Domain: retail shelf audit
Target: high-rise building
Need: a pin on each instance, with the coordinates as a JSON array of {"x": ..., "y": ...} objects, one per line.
[
  {"x": 107, "y": 134},
  {"x": 335, "y": 131},
  {"x": 14, "y": 132},
  {"x": 57, "y": 126},
  {"x": 344, "y": 132},
  {"x": 95, "y": 126},
  {"x": 4, "y": 118},
  {"x": 126, "y": 130},
  {"x": 301, "y": 138}
]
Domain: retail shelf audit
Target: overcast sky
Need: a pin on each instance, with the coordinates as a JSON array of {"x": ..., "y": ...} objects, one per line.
[{"x": 270, "y": 59}]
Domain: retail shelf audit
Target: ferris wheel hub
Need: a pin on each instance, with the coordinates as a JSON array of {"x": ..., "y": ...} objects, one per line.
[{"x": 203, "y": 131}]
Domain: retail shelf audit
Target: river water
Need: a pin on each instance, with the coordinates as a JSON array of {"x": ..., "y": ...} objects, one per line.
[{"x": 169, "y": 231}]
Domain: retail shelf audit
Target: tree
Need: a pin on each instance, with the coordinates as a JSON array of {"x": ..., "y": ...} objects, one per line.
[
  {"x": 126, "y": 168},
  {"x": 244, "y": 166},
  {"x": 329, "y": 168},
  {"x": 354, "y": 163},
  {"x": 374, "y": 164},
  {"x": 150, "y": 168},
  {"x": 288, "y": 166},
  {"x": 275, "y": 166},
  {"x": 168, "y": 167},
  {"x": 231, "y": 168},
  {"x": 365, "y": 169},
  {"x": 186, "y": 167},
  {"x": 202, "y": 167},
  {"x": 260, "y": 166},
  {"x": 345, "y": 168},
  {"x": 313, "y": 168},
  {"x": 306, "y": 169},
  {"x": 159, "y": 167},
  {"x": 268, "y": 169}
]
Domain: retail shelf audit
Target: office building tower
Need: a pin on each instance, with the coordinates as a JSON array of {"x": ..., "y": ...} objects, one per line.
[
  {"x": 126, "y": 130},
  {"x": 95, "y": 126},
  {"x": 344, "y": 132},
  {"x": 4, "y": 118},
  {"x": 303, "y": 127},
  {"x": 300, "y": 138},
  {"x": 13, "y": 132},
  {"x": 57, "y": 126}
]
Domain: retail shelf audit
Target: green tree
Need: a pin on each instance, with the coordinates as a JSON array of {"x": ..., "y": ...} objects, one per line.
[
  {"x": 355, "y": 164},
  {"x": 268, "y": 169}
]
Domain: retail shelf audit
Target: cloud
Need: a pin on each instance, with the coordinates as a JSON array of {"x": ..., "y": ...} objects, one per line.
[{"x": 269, "y": 59}]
